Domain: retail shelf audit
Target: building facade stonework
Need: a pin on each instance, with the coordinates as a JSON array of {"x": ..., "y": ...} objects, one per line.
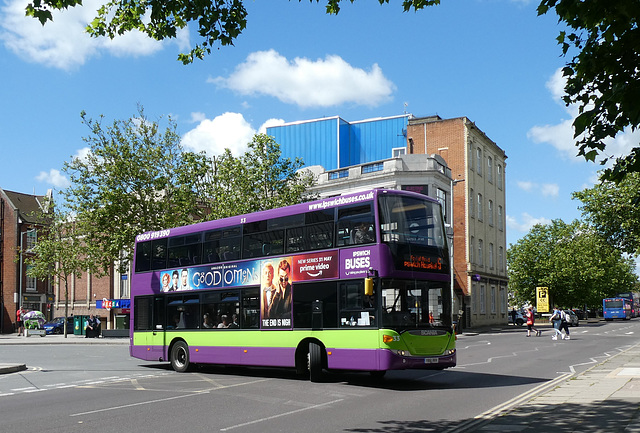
[{"x": 478, "y": 170}]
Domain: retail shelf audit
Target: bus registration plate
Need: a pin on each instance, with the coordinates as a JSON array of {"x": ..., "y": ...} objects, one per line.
[{"x": 431, "y": 360}]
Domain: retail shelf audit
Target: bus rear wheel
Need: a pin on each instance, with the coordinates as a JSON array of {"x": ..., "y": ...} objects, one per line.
[
  {"x": 314, "y": 362},
  {"x": 180, "y": 357}
]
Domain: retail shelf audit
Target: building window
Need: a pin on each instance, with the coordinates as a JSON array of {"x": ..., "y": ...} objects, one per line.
[
  {"x": 503, "y": 301},
  {"x": 471, "y": 202},
  {"x": 31, "y": 281},
  {"x": 441, "y": 196},
  {"x": 490, "y": 212},
  {"x": 480, "y": 213},
  {"x": 482, "y": 300},
  {"x": 493, "y": 300},
  {"x": 479, "y": 161},
  {"x": 398, "y": 151},
  {"x": 339, "y": 174},
  {"x": 490, "y": 169},
  {"x": 499, "y": 176},
  {"x": 32, "y": 237},
  {"x": 480, "y": 257},
  {"x": 370, "y": 168},
  {"x": 500, "y": 224},
  {"x": 500, "y": 259},
  {"x": 490, "y": 255}
]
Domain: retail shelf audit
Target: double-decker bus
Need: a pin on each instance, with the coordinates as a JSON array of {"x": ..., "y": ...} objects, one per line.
[
  {"x": 355, "y": 282},
  {"x": 616, "y": 308},
  {"x": 635, "y": 302}
]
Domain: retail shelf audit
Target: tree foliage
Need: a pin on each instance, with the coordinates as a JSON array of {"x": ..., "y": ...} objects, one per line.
[
  {"x": 603, "y": 78},
  {"x": 259, "y": 179},
  {"x": 614, "y": 211},
  {"x": 573, "y": 260},
  {"x": 134, "y": 178}
]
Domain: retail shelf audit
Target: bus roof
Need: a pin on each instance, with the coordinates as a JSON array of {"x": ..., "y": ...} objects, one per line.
[{"x": 320, "y": 204}]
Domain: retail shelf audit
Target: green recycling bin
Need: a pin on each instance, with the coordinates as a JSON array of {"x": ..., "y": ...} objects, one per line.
[{"x": 80, "y": 325}]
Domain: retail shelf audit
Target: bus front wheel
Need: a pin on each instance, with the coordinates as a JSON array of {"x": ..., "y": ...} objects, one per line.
[
  {"x": 180, "y": 357},
  {"x": 314, "y": 362}
]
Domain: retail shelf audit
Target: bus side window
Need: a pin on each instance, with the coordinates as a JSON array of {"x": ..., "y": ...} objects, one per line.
[
  {"x": 143, "y": 256},
  {"x": 356, "y": 309}
]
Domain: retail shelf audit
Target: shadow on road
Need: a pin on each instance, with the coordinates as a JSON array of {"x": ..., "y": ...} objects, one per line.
[
  {"x": 407, "y": 380},
  {"x": 607, "y": 416}
]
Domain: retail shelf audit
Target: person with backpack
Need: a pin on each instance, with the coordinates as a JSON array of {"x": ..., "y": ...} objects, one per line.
[
  {"x": 564, "y": 324},
  {"x": 530, "y": 322},
  {"x": 556, "y": 319}
]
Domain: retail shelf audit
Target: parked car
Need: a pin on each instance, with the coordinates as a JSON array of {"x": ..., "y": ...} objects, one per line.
[
  {"x": 56, "y": 326},
  {"x": 573, "y": 318},
  {"x": 520, "y": 319}
]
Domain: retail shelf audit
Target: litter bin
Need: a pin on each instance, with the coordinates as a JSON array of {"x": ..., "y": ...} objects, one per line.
[{"x": 80, "y": 325}]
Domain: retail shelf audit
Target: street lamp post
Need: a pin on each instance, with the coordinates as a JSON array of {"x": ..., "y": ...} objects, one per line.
[{"x": 454, "y": 182}]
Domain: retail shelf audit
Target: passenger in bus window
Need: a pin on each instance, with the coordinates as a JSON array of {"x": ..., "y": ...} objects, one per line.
[
  {"x": 363, "y": 233},
  {"x": 207, "y": 322},
  {"x": 234, "y": 321},
  {"x": 225, "y": 322}
]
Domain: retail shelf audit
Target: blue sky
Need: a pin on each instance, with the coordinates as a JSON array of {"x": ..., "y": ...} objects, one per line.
[{"x": 493, "y": 61}]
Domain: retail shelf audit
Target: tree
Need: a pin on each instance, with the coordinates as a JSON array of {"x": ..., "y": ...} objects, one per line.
[
  {"x": 61, "y": 253},
  {"x": 134, "y": 178},
  {"x": 614, "y": 211},
  {"x": 603, "y": 77},
  {"x": 260, "y": 179},
  {"x": 573, "y": 260}
]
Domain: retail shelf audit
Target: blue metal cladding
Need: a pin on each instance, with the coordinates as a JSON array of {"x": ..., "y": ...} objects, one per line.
[
  {"x": 372, "y": 140},
  {"x": 315, "y": 142},
  {"x": 344, "y": 147},
  {"x": 335, "y": 143}
]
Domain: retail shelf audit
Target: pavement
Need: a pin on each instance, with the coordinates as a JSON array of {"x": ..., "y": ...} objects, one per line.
[{"x": 604, "y": 398}]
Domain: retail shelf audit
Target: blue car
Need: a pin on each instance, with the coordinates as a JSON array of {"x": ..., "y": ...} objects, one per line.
[{"x": 56, "y": 326}]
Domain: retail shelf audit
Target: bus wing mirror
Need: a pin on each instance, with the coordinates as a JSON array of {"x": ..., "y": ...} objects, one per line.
[{"x": 368, "y": 286}]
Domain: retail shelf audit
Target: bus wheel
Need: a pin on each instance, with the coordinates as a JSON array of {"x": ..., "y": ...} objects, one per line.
[
  {"x": 314, "y": 362},
  {"x": 180, "y": 357}
]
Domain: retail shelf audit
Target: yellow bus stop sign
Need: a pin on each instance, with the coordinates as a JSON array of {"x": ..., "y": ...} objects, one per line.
[{"x": 542, "y": 298}]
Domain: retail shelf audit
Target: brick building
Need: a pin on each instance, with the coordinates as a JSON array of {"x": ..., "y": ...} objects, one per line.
[
  {"x": 18, "y": 227},
  {"x": 477, "y": 167}
]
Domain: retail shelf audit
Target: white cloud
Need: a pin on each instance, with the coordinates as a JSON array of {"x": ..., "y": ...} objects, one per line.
[
  {"x": 53, "y": 177},
  {"x": 526, "y": 186},
  {"x": 546, "y": 189},
  {"x": 525, "y": 223},
  {"x": 321, "y": 83},
  {"x": 550, "y": 190},
  {"x": 229, "y": 130},
  {"x": 269, "y": 123},
  {"x": 63, "y": 42}
]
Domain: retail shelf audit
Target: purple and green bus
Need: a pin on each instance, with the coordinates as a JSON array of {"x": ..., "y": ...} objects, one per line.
[{"x": 355, "y": 282}]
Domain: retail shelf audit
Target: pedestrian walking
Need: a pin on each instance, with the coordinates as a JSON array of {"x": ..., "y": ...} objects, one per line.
[
  {"x": 530, "y": 321},
  {"x": 564, "y": 324},
  {"x": 556, "y": 320}
]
